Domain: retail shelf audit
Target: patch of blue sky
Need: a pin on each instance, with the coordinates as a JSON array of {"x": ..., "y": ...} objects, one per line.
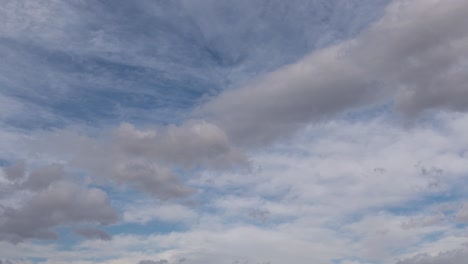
[
  {"x": 68, "y": 239},
  {"x": 421, "y": 204},
  {"x": 209, "y": 193},
  {"x": 383, "y": 110},
  {"x": 94, "y": 89},
  {"x": 153, "y": 227},
  {"x": 119, "y": 195},
  {"x": 4, "y": 163},
  {"x": 433, "y": 236}
]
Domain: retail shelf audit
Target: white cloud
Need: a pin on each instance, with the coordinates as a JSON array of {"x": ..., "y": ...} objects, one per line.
[{"x": 151, "y": 210}]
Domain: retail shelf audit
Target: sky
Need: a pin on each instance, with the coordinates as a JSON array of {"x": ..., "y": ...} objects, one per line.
[{"x": 233, "y": 131}]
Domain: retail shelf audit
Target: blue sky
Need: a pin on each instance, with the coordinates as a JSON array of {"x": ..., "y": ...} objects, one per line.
[{"x": 233, "y": 131}]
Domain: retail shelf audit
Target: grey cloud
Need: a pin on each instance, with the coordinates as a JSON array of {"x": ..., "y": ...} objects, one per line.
[
  {"x": 420, "y": 49},
  {"x": 415, "y": 56},
  {"x": 146, "y": 158},
  {"x": 462, "y": 214},
  {"x": 15, "y": 172},
  {"x": 260, "y": 215},
  {"x": 162, "y": 261},
  {"x": 423, "y": 221},
  {"x": 194, "y": 143},
  {"x": 60, "y": 204},
  {"x": 151, "y": 178},
  {"x": 93, "y": 233},
  {"x": 283, "y": 101},
  {"x": 42, "y": 177},
  {"x": 37, "y": 179},
  {"x": 451, "y": 257}
]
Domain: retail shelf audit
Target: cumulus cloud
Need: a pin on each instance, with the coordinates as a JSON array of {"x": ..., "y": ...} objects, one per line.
[
  {"x": 417, "y": 48},
  {"x": 52, "y": 202},
  {"x": 150, "y": 178},
  {"x": 42, "y": 177},
  {"x": 38, "y": 179},
  {"x": 147, "y": 159}
]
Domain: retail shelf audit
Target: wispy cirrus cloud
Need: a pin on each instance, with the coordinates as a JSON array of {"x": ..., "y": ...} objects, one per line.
[{"x": 107, "y": 62}]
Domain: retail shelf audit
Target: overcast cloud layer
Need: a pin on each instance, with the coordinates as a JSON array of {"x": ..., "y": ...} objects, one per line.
[{"x": 234, "y": 132}]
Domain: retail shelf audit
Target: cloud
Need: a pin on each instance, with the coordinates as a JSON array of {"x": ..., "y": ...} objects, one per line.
[
  {"x": 423, "y": 221},
  {"x": 145, "y": 159},
  {"x": 162, "y": 261},
  {"x": 462, "y": 215},
  {"x": 458, "y": 256},
  {"x": 53, "y": 202},
  {"x": 41, "y": 178},
  {"x": 150, "y": 178},
  {"x": 16, "y": 172},
  {"x": 147, "y": 211},
  {"x": 349, "y": 212},
  {"x": 375, "y": 213},
  {"x": 406, "y": 57},
  {"x": 38, "y": 179},
  {"x": 93, "y": 233},
  {"x": 419, "y": 56},
  {"x": 194, "y": 143}
]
